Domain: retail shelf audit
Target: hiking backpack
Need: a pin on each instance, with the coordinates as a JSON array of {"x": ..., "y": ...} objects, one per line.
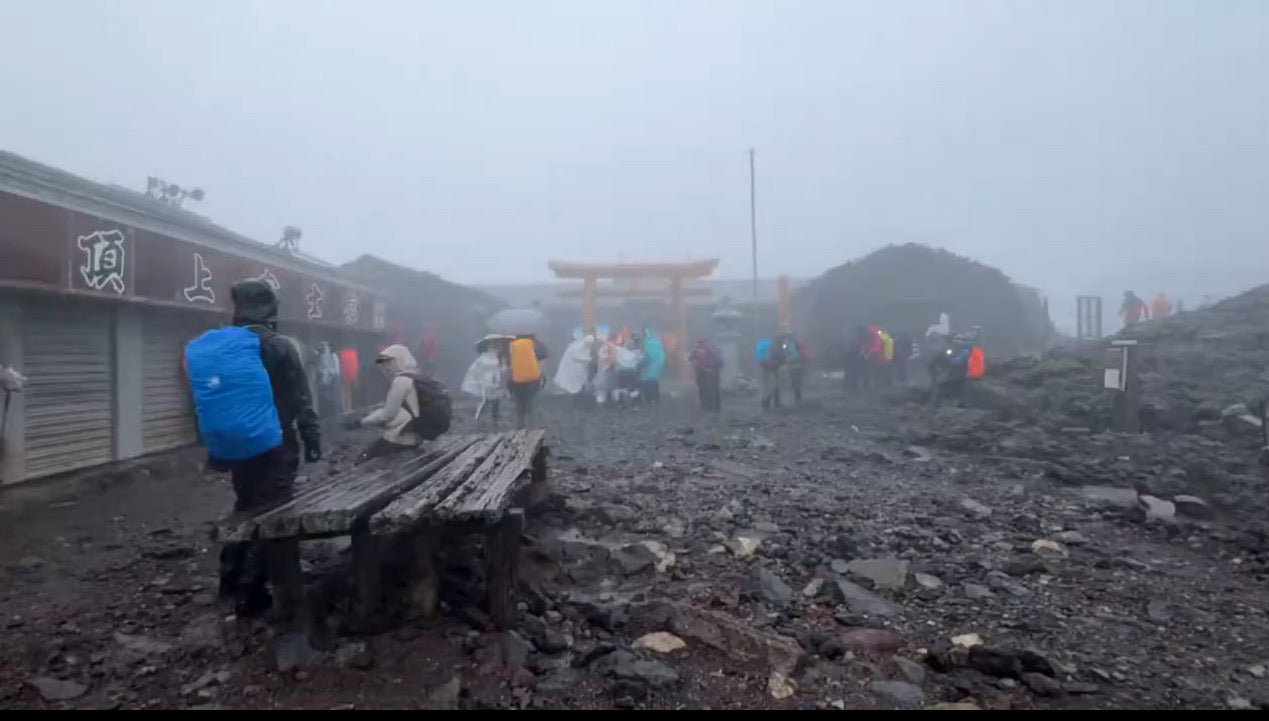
[
  {"x": 436, "y": 410},
  {"x": 233, "y": 398}
]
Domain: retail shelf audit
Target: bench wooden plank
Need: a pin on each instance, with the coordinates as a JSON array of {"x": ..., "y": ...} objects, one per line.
[
  {"x": 405, "y": 512},
  {"x": 485, "y": 497},
  {"x": 336, "y": 505}
]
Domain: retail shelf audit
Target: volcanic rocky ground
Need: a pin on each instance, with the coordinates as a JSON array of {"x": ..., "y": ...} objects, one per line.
[{"x": 849, "y": 553}]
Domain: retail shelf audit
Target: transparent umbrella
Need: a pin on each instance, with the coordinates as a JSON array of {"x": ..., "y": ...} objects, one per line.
[{"x": 517, "y": 321}]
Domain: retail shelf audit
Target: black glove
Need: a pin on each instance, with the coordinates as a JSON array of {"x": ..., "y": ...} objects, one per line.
[{"x": 312, "y": 452}]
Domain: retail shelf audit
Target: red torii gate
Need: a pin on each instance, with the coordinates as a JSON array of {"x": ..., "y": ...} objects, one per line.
[{"x": 678, "y": 274}]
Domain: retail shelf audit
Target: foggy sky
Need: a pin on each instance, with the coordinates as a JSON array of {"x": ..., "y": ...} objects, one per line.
[{"x": 1077, "y": 145}]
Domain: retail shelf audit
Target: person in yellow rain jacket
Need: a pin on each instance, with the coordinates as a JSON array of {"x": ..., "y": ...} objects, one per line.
[
  {"x": 525, "y": 355},
  {"x": 887, "y": 356}
]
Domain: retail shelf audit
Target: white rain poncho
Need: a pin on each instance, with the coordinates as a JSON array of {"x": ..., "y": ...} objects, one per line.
[
  {"x": 485, "y": 379},
  {"x": 574, "y": 368}
]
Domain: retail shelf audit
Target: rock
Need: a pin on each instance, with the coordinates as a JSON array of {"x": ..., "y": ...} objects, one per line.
[
  {"x": 1071, "y": 538},
  {"x": 975, "y": 592},
  {"x": 975, "y": 508},
  {"x": 910, "y": 670},
  {"x": 780, "y": 686},
  {"x": 1023, "y": 565},
  {"x": 445, "y": 696},
  {"x": 743, "y": 546},
  {"x": 995, "y": 662},
  {"x": 623, "y": 665},
  {"x": 515, "y": 650},
  {"x": 645, "y": 617},
  {"x": 871, "y": 640},
  {"x": 143, "y": 644},
  {"x": 208, "y": 679},
  {"x": 1044, "y": 546},
  {"x": 1192, "y": 507},
  {"x": 859, "y": 599},
  {"x": 1042, "y": 685},
  {"x": 770, "y": 588},
  {"x": 813, "y": 589},
  {"x": 886, "y": 574},
  {"x": 901, "y": 693},
  {"x": 736, "y": 639},
  {"x": 1156, "y": 508},
  {"x": 1035, "y": 662},
  {"x": 1257, "y": 670},
  {"x": 633, "y": 558},
  {"x": 56, "y": 689},
  {"x": 292, "y": 650},
  {"x": 1110, "y": 496},
  {"x": 1158, "y": 610},
  {"x": 925, "y": 580},
  {"x": 839, "y": 566},
  {"x": 674, "y": 527},
  {"x": 967, "y": 640},
  {"x": 660, "y": 641},
  {"x": 954, "y": 706},
  {"x": 843, "y": 546},
  {"x": 355, "y": 655}
]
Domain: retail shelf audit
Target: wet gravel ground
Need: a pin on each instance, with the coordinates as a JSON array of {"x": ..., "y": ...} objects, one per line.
[{"x": 825, "y": 556}]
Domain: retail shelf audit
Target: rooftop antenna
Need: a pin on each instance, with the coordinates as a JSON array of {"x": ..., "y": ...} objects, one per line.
[
  {"x": 290, "y": 240},
  {"x": 170, "y": 193}
]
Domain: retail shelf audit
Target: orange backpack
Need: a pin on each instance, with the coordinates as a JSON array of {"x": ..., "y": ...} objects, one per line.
[{"x": 977, "y": 364}]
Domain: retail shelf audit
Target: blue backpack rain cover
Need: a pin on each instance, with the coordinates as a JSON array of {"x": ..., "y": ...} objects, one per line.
[{"x": 232, "y": 394}]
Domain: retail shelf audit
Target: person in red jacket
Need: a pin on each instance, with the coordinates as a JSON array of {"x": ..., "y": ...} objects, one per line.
[{"x": 1134, "y": 309}]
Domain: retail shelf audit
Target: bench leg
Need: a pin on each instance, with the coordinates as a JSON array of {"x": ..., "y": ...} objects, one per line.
[
  {"x": 425, "y": 592},
  {"x": 367, "y": 570},
  {"x": 287, "y": 578},
  {"x": 503, "y": 549}
]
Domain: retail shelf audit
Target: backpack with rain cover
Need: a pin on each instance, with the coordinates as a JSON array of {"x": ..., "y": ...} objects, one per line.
[
  {"x": 233, "y": 398},
  {"x": 436, "y": 410}
]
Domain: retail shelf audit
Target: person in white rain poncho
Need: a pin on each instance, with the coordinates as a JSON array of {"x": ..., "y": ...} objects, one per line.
[
  {"x": 574, "y": 371},
  {"x": 486, "y": 377}
]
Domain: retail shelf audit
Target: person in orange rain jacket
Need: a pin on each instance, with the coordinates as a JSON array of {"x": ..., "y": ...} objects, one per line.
[
  {"x": 349, "y": 372},
  {"x": 1134, "y": 309},
  {"x": 1161, "y": 307}
]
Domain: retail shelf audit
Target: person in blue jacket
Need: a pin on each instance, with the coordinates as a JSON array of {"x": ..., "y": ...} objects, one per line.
[
  {"x": 267, "y": 479},
  {"x": 769, "y": 357},
  {"x": 652, "y": 367}
]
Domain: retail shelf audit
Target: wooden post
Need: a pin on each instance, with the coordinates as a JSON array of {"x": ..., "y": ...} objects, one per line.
[
  {"x": 425, "y": 592},
  {"x": 367, "y": 570},
  {"x": 680, "y": 330},
  {"x": 588, "y": 303},
  {"x": 502, "y": 544},
  {"x": 287, "y": 578}
]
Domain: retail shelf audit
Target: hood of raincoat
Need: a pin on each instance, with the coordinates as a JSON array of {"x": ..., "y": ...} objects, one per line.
[
  {"x": 255, "y": 303},
  {"x": 398, "y": 358}
]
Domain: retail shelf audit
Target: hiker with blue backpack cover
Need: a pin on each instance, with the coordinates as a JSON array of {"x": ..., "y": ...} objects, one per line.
[{"x": 251, "y": 396}]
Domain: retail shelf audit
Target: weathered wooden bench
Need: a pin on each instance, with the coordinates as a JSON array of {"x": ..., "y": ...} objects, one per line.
[{"x": 456, "y": 485}]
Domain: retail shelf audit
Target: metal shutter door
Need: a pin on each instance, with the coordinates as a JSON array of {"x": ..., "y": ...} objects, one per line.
[
  {"x": 167, "y": 414},
  {"x": 68, "y": 358}
]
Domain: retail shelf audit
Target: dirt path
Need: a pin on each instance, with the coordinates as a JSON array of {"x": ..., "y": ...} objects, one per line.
[{"x": 809, "y": 528}]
